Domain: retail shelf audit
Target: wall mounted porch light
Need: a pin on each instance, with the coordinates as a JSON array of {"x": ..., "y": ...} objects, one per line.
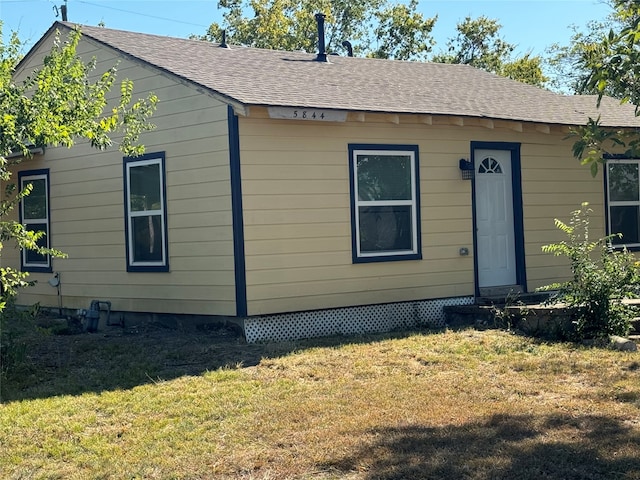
[{"x": 466, "y": 169}]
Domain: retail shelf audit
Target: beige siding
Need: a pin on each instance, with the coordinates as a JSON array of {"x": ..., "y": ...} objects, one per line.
[
  {"x": 87, "y": 211},
  {"x": 554, "y": 184},
  {"x": 297, "y": 222},
  {"x": 296, "y": 197}
]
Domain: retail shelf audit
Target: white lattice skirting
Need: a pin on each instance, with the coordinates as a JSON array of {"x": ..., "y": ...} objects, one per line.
[{"x": 349, "y": 320}]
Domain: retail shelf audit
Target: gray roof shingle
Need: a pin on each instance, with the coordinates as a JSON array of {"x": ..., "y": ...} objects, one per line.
[{"x": 253, "y": 76}]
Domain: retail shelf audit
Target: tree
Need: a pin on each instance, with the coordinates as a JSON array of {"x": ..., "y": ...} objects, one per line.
[
  {"x": 375, "y": 28},
  {"x": 402, "y": 33},
  {"x": 478, "y": 44},
  {"x": 526, "y": 69},
  {"x": 567, "y": 63},
  {"x": 601, "y": 279},
  {"x": 612, "y": 65},
  {"x": 59, "y": 104},
  {"x": 398, "y": 30}
]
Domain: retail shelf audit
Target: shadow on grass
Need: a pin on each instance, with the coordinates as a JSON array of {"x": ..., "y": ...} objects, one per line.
[
  {"x": 114, "y": 359},
  {"x": 502, "y": 447}
]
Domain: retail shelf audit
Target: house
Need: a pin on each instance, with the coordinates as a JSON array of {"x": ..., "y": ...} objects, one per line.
[{"x": 302, "y": 197}]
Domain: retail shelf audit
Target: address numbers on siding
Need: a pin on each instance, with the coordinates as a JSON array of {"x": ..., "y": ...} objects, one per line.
[{"x": 311, "y": 114}]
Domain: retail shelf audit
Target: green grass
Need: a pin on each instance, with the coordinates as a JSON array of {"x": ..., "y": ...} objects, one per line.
[{"x": 413, "y": 405}]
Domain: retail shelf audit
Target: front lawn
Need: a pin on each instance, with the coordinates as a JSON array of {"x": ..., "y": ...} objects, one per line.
[{"x": 416, "y": 405}]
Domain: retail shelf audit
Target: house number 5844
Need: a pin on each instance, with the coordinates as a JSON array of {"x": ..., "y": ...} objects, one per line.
[
  {"x": 304, "y": 114},
  {"x": 319, "y": 115}
]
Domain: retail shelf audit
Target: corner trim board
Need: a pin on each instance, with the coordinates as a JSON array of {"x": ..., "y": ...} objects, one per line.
[{"x": 236, "y": 214}]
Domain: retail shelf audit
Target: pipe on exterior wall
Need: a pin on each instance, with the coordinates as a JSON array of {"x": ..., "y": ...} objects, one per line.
[{"x": 92, "y": 315}]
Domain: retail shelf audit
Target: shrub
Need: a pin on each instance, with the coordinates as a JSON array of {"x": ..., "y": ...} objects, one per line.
[
  {"x": 601, "y": 278},
  {"x": 17, "y": 329}
]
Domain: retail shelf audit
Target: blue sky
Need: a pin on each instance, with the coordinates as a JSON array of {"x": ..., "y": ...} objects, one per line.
[{"x": 530, "y": 24}]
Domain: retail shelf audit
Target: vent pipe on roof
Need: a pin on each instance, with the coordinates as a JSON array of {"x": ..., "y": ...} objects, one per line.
[
  {"x": 62, "y": 10},
  {"x": 223, "y": 43},
  {"x": 347, "y": 44},
  {"x": 322, "y": 54}
]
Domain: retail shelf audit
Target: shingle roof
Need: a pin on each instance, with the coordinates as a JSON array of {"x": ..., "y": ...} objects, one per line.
[{"x": 253, "y": 76}]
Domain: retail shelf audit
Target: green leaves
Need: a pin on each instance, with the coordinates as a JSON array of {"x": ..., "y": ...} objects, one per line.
[
  {"x": 591, "y": 141},
  {"x": 375, "y": 28},
  {"x": 526, "y": 69},
  {"x": 478, "y": 43},
  {"x": 60, "y": 104},
  {"x": 601, "y": 278},
  {"x": 402, "y": 33},
  {"x": 611, "y": 62}
]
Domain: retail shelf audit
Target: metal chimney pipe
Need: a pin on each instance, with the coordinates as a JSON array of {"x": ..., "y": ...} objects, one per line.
[
  {"x": 322, "y": 54},
  {"x": 223, "y": 43},
  {"x": 347, "y": 44}
]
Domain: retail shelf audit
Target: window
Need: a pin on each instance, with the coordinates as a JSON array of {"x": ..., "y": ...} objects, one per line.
[
  {"x": 34, "y": 214},
  {"x": 623, "y": 195},
  {"x": 145, "y": 211},
  {"x": 385, "y": 211}
]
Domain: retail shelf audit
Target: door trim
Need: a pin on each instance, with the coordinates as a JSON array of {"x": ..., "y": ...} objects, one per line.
[{"x": 518, "y": 216}]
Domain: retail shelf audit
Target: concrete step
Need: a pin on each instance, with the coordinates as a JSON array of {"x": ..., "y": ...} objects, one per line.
[
  {"x": 530, "y": 298},
  {"x": 489, "y": 313}
]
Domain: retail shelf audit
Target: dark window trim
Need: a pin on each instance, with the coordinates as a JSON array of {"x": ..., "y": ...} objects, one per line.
[
  {"x": 23, "y": 266},
  {"x": 418, "y": 238},
  {"x": 164, "y": 267},
  {"x": 605, "y": 176}
]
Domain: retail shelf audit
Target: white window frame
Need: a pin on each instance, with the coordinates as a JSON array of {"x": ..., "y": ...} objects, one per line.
[
  {"x": 624, "y": 203},
  {"x": 132, "y": 264},
  {"x": 386, "y": 150},
  {"x": 26, "y": 178}
]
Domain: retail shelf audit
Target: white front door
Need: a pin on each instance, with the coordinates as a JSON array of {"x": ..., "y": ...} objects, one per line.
[{"x": 495, "y": 235}]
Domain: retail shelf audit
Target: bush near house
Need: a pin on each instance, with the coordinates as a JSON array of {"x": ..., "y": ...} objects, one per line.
[{"x": 601, "y": 278}]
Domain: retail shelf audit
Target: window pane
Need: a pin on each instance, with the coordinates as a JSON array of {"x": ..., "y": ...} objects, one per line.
[
  {"x": 625, "y": 220},
  {"x": 623, "y": 182},
  {"x": 147, "y": 239},
  {"x": 31, "y": 256},
  {"x": 144, "y": 188},
  {"x": 35, "y": 204},
  {"x": 384, "y": 177},
  {"x": 385, "y": 229}
]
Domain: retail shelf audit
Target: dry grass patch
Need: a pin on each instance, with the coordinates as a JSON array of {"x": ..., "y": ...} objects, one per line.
[{"x": 449, "y": 405}]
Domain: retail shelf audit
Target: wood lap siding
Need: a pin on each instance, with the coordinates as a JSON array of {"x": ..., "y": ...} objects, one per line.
[
  {"x": 296, "y": 199},
  {"x": 87, "y": 209},
  {"x": 298, "y": 221},
  {"x": 554, "y": 184},
  {"x": 297, "y": 214}
]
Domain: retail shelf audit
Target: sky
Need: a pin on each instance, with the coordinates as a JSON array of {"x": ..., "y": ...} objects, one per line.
[{"x": 532, "y": 25}]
